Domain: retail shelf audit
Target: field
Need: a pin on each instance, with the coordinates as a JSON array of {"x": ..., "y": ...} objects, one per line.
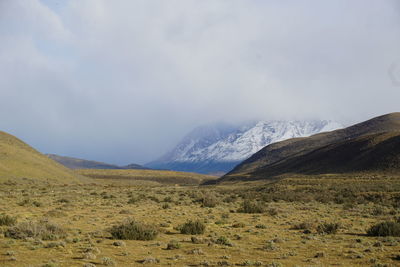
[
  {"x": 154, "y": 177},
  {"x": 299, "y": 221}
]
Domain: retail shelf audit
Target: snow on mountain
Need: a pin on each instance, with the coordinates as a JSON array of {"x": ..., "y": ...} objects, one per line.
[{"x": 219, "y": 147}]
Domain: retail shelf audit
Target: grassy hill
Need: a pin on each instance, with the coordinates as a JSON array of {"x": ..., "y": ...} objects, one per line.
[
  {"x": 75, "y": 163},
  {"x": 367, "y": 146},
  {"x": 18, "y": 160},
  {"x": 156, "y": 176}
]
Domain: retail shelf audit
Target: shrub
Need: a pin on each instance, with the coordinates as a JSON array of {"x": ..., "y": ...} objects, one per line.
[
  {"x": 251, "y": 207},
  {"x": 238, "y": 225},
  {"x": 7, "y": 220},
  {"x": 132, "y": 230},
  {"x": 385, "y": 229},
  {"x": 173, "y": 245},
  {"x": 43, "y": 230},
  {"x": 222, "y": 240},
  {"x": 328, "y": 228},
  {"x": 273, "y": 212},
  {"x": 193, "y": 228},
  {"x": 209, "y": 201}
]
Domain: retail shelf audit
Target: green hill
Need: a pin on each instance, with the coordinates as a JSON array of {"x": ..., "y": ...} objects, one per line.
[
  {"x": 372, "y": 145},
  {"x": 18, "y": 160}
]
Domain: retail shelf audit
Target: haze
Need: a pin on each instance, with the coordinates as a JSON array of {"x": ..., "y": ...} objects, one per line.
[{"x": 123, "y": 81}]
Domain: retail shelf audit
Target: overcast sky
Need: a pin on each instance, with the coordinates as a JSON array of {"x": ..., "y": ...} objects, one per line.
[{"x": 123, "y": 81}]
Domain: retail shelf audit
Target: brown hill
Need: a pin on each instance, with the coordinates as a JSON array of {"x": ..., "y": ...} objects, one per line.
[
  {"x": 20, "y": 161},
  {"x": 361, "y": 147}
]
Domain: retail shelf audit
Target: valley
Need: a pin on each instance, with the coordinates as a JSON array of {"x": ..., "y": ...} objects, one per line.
[{"x": 331, "y": 199}]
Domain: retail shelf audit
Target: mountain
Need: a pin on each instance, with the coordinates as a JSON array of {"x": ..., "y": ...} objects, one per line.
[
  {"x": 218, "y": 148},
  {"x": 74, "y": 163},
  {"x": 373, "y": 145},
  {"x": 19, "y": 161}
]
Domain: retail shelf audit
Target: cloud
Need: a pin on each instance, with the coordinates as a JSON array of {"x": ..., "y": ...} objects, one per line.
[{"x": 122, "y": 81}]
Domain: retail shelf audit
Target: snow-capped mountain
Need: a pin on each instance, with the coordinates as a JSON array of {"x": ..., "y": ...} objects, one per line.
[{"x": 218, "y": 148}]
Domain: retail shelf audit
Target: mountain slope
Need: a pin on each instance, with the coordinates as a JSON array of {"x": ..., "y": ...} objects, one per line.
[
  {"x": 220, "y": 147},
  {"x": 356, "y": 148},
  {"x": 74, "y": 163},
  {"x": 19, "y": 160}
]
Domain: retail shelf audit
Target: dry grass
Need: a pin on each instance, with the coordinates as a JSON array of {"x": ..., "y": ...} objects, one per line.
[
  {"x": 156, "y": 176},
  {"x": 289, "y": 236}
]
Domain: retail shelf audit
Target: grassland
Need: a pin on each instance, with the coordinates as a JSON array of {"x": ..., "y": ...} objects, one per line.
[
  {"x": 286, "y": 232},
  {"x": 145, "y": 176}
]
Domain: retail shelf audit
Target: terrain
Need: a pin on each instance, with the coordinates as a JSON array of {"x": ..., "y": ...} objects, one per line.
[
  {"x": 75, "y": 163},
  {"x": 217, "y": 148},
  {"x": 20, "y": 161},
  {"x": 297, "y": 222},
  {"x": 372, "y": 145},
  {"x": 151, "y": 176},
  {"x": 331, "y": 199}
]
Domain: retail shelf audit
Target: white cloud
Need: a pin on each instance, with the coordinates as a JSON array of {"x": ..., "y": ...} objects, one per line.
[{"x": 121, "y": 81}]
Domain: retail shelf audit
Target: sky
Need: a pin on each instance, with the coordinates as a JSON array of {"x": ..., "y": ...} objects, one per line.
[{"x": 123, "y": 81}]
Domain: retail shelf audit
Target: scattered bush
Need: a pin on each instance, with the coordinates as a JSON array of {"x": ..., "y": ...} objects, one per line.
[
  {"x": 7, "y": 220},
  {"x": 251, "y": 207},
  {"x": 132, "y": 230},
  {"x": 385, "y": 229},
  {"x": 328, "y": 228},
  {"x": 193, "y": 228}
]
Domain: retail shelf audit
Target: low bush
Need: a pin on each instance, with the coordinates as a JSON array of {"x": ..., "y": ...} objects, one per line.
[
  {"x": 209, "y": 201},
  {"x": 193, "y": 228},
  {"x": 328, "y": 228},
  {"x": 251, "y": 207},
  {"x": 43, "y": 230},
  {"x": 7, "y": 220},
  {"x": 132, "y": 230},
  {"x": 385, "y": 229},
  {"x": 173, "y": 245}
]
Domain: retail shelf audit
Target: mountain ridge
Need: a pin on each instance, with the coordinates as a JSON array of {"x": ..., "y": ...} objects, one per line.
[
  {"x": 285, "y": 156},
  {"x": 77, "y": 163},
  {"x": 219, "y": 148}
]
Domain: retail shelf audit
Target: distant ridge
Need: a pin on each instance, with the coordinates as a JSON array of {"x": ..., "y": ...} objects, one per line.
[
  {"x": 19, "y": 161},
  {"x": 373, "y": 145},
  {"x": 75, "y": 163}
]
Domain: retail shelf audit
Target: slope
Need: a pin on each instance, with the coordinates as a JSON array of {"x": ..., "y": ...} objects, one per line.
[
  {"x": 75, "y": 163},
  {"x": 18, "y": 160},
  {"x": 279, "y": 158}
]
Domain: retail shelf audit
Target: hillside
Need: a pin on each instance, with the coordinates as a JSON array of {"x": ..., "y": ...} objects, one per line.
[
  {"x": 361, "y": 147},
  {"x": 18, "y": 160},
  {"x": 75, "y": 163},
  {"x": 217, "y": 148},
  {"x": 156, "y": 176}
]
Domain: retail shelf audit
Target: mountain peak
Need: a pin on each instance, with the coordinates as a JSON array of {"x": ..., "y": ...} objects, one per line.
[{"x": 218, "y": 148}]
